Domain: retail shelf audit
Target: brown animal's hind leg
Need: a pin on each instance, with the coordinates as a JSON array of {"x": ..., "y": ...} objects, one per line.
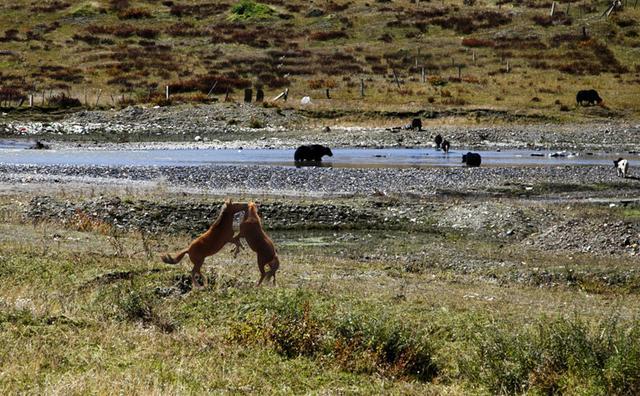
[
  {"x": 273, "y": 267},
  {"x": 262, "y": 272},
  {"x": 197, "y": 264}
]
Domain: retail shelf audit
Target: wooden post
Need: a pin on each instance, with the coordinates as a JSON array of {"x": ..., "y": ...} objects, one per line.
[
  {"x": 43, "y": 93},
  {"x": 423, "y": 79},
  {"x": 459, "y": 72},
  {"x": 259, "y": 95},
  {"x": 568, "y": 8},
  {"x": 98, "y": 98},
  {"x": 584, "y": 32},
  {"x": 85, "y": 96},
  {"x": 212, "y": 87},
  {"x": 453, "y": 62},
  {"x": 248, "y": 93},
  {"x": 508, "y": 67},
  {"x": 553, "y": 8},
  {"x": 362, "y": 88},
  {"x": 226, "y": 95},
  {"x": 395, "y": 77},
  {"x": 166, "y": 92},
  {"x": 327, "y": 92},
  {"x": 286, "y": 94},
  {"x": 30, "y": 100},
  {"x": 473, "y": 57}
]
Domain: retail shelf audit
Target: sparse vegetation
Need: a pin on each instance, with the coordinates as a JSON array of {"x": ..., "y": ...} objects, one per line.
[
  {"x": 517, "y": 320},
  {"x": 135, "y": 45}
]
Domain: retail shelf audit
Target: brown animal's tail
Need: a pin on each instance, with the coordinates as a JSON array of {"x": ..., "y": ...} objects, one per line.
[{"x": 170, "y": 260}]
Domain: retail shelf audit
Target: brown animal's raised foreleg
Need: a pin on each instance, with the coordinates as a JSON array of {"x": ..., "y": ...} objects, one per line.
[{"x": 236, "y": 241}]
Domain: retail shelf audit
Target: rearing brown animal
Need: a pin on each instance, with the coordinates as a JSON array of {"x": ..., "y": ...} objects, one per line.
[
  {"x": 251, "y": 230},
  {"x": 209, "y": 243}
]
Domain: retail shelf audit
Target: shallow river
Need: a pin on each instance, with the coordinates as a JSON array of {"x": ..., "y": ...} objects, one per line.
[{"x": 16, "y": 153}]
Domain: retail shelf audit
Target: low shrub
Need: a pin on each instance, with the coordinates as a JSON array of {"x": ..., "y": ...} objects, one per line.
[
  {"x": 62, "y": 100},
  {"x": 557, "y": 356},
  {"x": 249, "y": 9},
  {"x": 475, "y": 42},
  {"x": 134, "y": 13},
  {"x": 330, "y": 35}
]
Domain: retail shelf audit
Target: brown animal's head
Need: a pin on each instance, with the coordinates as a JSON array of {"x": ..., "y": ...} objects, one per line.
[
  {"x": 233, "y": 207},
  {"x": 252, "y": 211}
]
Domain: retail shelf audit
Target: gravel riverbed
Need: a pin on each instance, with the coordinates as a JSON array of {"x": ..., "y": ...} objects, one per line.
[
  {"x": 250, "y": 126},
  {"x": 324, "y": 181}
]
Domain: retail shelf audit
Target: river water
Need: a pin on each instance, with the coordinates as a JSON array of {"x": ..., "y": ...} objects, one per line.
[{"x": 12, "y": 152}]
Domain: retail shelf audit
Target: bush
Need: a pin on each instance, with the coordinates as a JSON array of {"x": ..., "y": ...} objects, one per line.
[
  {"x": 556, "y": 356},
  {"x": 358, "y": 343},
  {"x": 248, "y": 9},
  {"x": 474, "y": 42},
  {"x": 62, "y": 100},
  {"x": 134, "y": 13},
  {"x": 325, "y": 36}
]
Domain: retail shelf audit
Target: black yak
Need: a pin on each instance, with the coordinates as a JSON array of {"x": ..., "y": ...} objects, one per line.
[
  {"x": 589, "y": 96},
  {"x": 471, "y": 159},
  {"x": 314, "y": 152}
]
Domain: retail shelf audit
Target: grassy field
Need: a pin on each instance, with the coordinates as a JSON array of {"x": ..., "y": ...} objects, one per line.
[
  {"x": 512, "y": 55},
  {"x": 86, "y": 309}
]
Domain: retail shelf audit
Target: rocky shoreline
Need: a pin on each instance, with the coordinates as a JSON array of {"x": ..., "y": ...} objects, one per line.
[
  {"x": 323, "y": 181},
  {"x": 249, "y": 126}
]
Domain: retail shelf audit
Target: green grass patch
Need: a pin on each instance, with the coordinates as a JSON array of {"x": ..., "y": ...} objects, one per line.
[{"x": 250, "y": 10}]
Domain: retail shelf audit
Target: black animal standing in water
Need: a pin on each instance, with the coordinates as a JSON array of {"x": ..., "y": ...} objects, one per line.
[
  {"x": 314, "y": 152},
  {"x": 590, "y": 96},
  {"x": 445, "y": 146},
  {"x": 472, "y": 159},
  {"x": 438, "y": 141},
  {"x": 38, "y": 145}
]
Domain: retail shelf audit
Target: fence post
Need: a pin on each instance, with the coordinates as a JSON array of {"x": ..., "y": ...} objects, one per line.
[
  {"x": 423, "y": 75},
  {"x": 259, "y": 95},
  {"x": 166, "y": 92},
  {"x": 362, "y": 88},
  {"x": 30, "y": 100}
]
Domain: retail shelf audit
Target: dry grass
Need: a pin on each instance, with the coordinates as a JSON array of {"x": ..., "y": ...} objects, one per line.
[
  {"x": 371, "y": 312},
  {"x": 172, "y": 41}
]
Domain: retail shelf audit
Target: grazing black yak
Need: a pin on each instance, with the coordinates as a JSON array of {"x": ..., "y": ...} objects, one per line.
[
  {"x": 438, "y": 141},
  {"x": 314, "y": 152},
  {"x": 471, "y": 159},
  {"x": 590, "y": 96},
  {"x": 416, "y": 124}
]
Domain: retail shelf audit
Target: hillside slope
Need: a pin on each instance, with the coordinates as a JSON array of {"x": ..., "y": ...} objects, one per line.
[{"x": 506, "y": 54}]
